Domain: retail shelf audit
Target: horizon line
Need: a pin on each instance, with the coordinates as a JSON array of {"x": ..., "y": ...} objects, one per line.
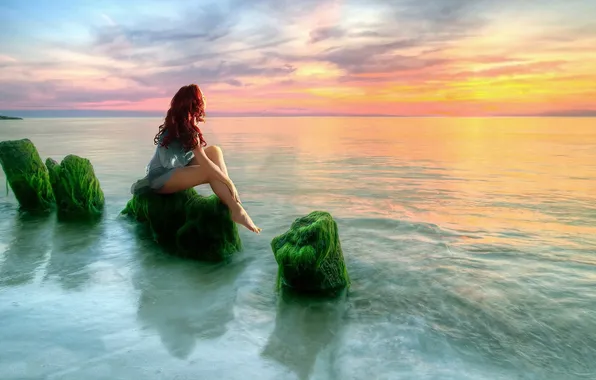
[{"x": 89, "y": 113}]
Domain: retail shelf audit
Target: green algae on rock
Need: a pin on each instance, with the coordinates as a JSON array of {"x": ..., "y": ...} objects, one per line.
[
  {"x": 309, "y": 255},
  {"x": 27, "y": 175},
  {"x": 76, "y": 188},
  {"x": 198, "y": 227}
]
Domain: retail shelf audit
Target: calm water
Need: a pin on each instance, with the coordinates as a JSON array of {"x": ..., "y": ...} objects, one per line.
[{"x": 471, "y": 244}]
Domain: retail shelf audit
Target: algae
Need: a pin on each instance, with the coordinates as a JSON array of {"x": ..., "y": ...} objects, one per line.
[
  {"x": 76, "y": 188},
  {"x": 27, "y": 175},
  {"x": 309, "y": 255},
  {"x": 195, "y": 226}
]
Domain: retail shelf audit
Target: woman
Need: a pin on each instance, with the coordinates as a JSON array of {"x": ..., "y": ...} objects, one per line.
[{"x": 181, "y": 163}]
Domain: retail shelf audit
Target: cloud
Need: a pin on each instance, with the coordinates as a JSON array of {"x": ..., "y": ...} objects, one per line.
[
  {"x": 212, "y": 73},
  {"x": 286, "y": 11},
  {"x": 196, "y": 29},
  {"x": 107, "y": 19},
  {"x": 429, "y": 21},
  {"x": 58, "y": 94},
  {"x": 234, "y": 82},
  {"x": 370, "y": 58},
  {"x": 6, "y": 60},
  {"x": 444, "y": 15},
  {"x": 527, "y": 68},
  {"x": 325, "y": 33},
  {"x": 317, "y": 52}
]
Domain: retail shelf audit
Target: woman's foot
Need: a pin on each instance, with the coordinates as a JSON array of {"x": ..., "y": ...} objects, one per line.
[{"x": 240, "y": 216}]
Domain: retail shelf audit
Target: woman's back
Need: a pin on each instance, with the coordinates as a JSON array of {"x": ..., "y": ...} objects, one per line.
[
  {"x": 161, "y": 166},
  {"x": 174, "y": 156}
]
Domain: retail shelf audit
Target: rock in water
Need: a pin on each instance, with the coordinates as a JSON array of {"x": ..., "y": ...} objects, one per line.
[
  {"x": 309, "y": 255},
  {"x": 198, "y": 227},
  {"x": 27, "y": 175},
  {"x": 76, "y": 188}
]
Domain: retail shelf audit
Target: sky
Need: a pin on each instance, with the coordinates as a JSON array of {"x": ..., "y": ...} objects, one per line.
[{"x": 301, "y": 57}]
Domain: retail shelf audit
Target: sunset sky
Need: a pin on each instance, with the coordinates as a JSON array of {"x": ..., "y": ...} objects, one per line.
[{"x": 388, "y": 57}]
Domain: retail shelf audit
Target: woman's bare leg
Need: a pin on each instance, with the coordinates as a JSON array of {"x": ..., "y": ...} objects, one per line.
[
  {"x": 191, "y": 176},
  {"x": 215, "y": 154}
]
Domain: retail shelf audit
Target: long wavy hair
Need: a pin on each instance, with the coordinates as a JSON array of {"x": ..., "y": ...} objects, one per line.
[{"x": 187, "y": 109}]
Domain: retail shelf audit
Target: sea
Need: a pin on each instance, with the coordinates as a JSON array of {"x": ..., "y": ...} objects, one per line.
[{"x": 470, "y": 245}]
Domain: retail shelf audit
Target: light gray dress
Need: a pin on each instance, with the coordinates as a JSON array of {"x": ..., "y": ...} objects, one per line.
[{"x": 161, "y": 167}]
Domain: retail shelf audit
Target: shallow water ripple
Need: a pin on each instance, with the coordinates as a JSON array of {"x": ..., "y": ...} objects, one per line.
[{"x": 471, "y": 244}]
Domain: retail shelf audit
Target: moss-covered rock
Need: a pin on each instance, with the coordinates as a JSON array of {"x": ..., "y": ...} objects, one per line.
[
  {"x": 309, "y": 255},
  {"x": 76, "y": 188},
  {"x": 197, "y": 227},
  {"x": 27, "y": 175}
]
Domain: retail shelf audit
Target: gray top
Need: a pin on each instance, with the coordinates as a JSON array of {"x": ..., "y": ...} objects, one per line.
[
  {"x": 161, "y": 166},
  {"x": 165, "y": 159}
]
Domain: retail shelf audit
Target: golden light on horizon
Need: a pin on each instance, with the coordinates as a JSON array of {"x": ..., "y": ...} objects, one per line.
[{"x": 317, "y": 70}]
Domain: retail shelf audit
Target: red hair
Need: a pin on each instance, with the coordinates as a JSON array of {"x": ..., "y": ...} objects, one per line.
[{"x": 186, "y": 107}]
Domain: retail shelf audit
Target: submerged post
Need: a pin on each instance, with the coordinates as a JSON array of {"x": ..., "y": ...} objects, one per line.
[
  {"x": 309, "y": 255},
  {"x": 196, "y": 227},
  {"x": 26, "y": 175},
  {"x": 76, "y": 188}
]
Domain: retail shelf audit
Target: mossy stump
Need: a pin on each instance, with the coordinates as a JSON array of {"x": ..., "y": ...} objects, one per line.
[
  {"x": 76, "y": 188},
  {"x": 309, "y": 255},
  {"x": 27, "y": 175},
  {"x": 197, "y": 227}
]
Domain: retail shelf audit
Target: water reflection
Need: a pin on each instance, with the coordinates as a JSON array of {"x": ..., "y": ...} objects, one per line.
[
  {"x": 74, "y": 249},
  {"x": 502, "y": 282},
  {"x": 27, "y": 250},
  {"x": 461, "y": 306},
  {"x": 304, "y": 327},
  {"x": 183, "y": 300}
]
